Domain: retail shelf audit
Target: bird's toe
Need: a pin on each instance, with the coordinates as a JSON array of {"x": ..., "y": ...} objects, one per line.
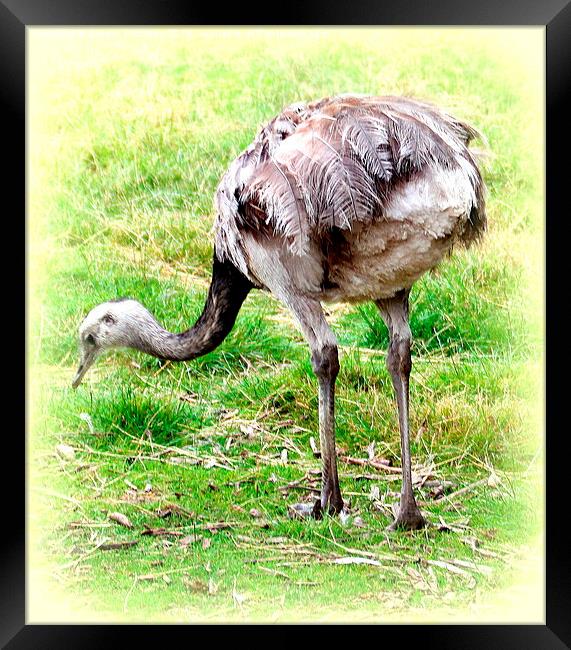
[{"x": 305, "y": 510}]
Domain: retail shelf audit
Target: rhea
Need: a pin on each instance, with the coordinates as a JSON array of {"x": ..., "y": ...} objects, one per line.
[{"x": 348, "y": 198}]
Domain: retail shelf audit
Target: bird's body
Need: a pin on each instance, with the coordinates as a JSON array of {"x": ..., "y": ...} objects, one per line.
[
  {"x": 369, "y": 260},
  {"x": 356, "y": 197},
  {"x": 349, "y": 198}
]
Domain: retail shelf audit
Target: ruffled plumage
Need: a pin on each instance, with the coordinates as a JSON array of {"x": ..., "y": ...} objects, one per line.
[{"x": 334, "y": 162}]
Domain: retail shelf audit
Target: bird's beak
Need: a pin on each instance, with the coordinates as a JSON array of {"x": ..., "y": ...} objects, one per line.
[{"x": 87, "y": 358}]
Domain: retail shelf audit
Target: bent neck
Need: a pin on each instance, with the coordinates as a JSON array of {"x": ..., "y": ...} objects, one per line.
[{"x": 228, "y": 290}]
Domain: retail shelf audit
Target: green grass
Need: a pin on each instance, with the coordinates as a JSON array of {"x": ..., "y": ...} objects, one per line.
[{"x": 127, "y": 146}]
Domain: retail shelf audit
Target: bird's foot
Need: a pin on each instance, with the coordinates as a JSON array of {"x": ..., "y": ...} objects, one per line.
[
  {"x": 315, "y": 510},
  {"x": 408, "y": 518},
  {"x": 302, "y": 510}
]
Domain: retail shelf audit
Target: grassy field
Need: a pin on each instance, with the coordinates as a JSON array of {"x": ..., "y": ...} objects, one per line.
[{"x": 129, "y": 134}]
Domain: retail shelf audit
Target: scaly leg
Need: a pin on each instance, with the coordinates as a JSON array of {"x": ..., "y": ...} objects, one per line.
[
  {"x": 325, "y": 364},
  {"x": 395, "y": 314}
]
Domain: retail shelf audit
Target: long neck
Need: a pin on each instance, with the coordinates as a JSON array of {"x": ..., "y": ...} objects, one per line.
[{"x": 228, "y": 290}]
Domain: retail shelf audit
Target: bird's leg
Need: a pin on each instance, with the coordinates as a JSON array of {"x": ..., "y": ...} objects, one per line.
[
  {"x": 325, "y": 364},
  {"x": 395, "y": 314}
]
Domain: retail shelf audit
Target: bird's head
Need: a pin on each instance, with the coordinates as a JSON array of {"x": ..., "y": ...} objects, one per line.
[{"x": 108, "y": 325}]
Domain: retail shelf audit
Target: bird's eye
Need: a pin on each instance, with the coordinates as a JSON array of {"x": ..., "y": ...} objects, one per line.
[
  {"x": 90, "y": 339},
  {"x": 108, "y": 319}
]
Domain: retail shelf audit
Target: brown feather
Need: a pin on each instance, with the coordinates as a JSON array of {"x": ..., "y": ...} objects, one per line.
[{"x": 333, "y": 163}]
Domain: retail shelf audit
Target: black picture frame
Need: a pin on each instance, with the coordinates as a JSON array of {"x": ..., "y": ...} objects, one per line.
[{"x": 555, "y": 15}]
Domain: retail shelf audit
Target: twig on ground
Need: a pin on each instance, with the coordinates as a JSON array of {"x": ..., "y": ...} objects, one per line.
[
  {"x": 357, "y": 560},
  {"x": 354, "y": 551},
  {"x": 274, "y": 572},
  {"x": 366, "y": 462},
  {"x": 115, "y": 546},
  {"x": 464, "y": 490}
]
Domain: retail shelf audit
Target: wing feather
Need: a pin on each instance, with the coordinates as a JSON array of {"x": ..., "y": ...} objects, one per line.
[{"x": 334, "y": 162}]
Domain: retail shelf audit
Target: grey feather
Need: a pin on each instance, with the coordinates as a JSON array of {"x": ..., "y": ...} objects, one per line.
[{"x": 334, "y": 162}]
